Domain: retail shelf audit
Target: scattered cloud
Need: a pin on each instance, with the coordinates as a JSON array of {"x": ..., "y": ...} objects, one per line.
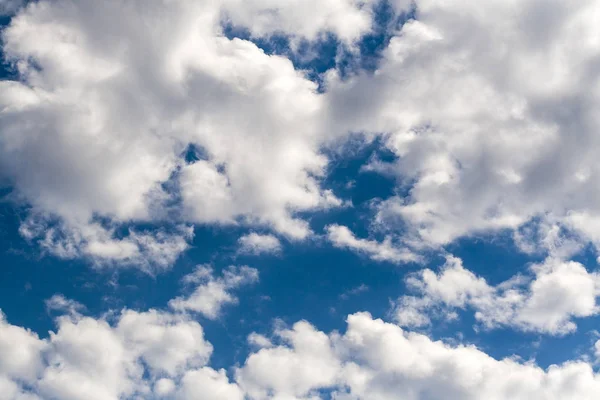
[
  {"x": 546, "y": 301},
  {"x": 158, "y": 354},
  {"x": 255, "y": 244},
  {"x": 90, "y": 358},
  {"x": 151, "y": 251},
  {"x": 362, "y": 288},
  {"x": 259, "y": 341},
  {"x": 342, "y": 237},
  {"x": 210, "y": 294},
  {"x": 60, "y": 303}
]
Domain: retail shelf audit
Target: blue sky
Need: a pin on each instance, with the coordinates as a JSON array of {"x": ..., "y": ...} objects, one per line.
[{"x": 183, "y": 183}]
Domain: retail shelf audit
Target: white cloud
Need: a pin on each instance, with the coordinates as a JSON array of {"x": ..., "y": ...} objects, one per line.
[
  {"x": 211, "y": 294},
  {"x": 374, "y": 360},
  {"x": 347, "y": 19},
  {"x": 92, "y": 131},
  {"x": 258, "y": 340},
  {"x": 208, "y": 384},
  {"x": 126, "y": 354},
  {"x": 355, "y": 291},
  {"x": 20, "y": 348},
  {"x": 293, "y": 372},
  {"x": 60, "y": 303},
  {"x": 90, "y": 358},
  {"x": 342, "y": 237},
  {"x": 155, "y": 354},
  {"x": 254, "y": 243},
  {"x": 490, "y": 107},
  {"x": 546, "y": 302},
  {"x": 150, "y": 251}
]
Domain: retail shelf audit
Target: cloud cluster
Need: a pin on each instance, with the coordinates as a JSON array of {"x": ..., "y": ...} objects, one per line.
[
  {"x": 348, "y": 20},
  {"x": 210, "y": 294},
  {"x": 546, "y": 301},
  {"x": 111, "y": 96},
  {"x": 128, "y": 354},
  {"x": 155, "y": 354},
  {"x": 255, "y": 243},
  {"x": 89, "y": 358},
  {"x": 490, "y": 108},
  {"x": 375, "y": 360}
]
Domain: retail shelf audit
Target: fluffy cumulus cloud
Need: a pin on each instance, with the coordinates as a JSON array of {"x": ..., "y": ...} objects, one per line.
[
  {"x": 255, "y": 243},
  {"x": 126, "y": 354},
  {"x": 112, "y": 95},
  {"x": 489, "y": 106},
  {"x": 545, "y": 301},
  {"x": 87, "y": 358},
  {"x": 348, "y": 20},
  {"x": 210, "y": 294},
  {"x": 490, "y": 109},
  {"x": 380, "y": 361},
  {"x": 156, "y": 354}
]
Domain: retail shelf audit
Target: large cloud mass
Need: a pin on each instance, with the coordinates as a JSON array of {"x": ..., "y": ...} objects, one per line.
[
  {"x": 113, "y": 95},
  {"x": 145, "y": 112},
  {"x": 490, "y": 107},
  {"x": 154, "y": 354}
]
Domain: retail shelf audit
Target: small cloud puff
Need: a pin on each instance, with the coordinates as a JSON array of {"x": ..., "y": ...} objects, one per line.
[
  {"x": 255, "y": 244},
  {"x": 212, "y": 293}
]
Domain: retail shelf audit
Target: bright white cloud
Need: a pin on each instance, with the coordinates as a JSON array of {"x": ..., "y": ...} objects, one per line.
[
  {"x": 254, "y": 243},
  {"x": 21, "y": 352},
  {"x": 150, "y": 251},
  {"x": 546, "y": 302},
  {"x": 484, "y": 147},
  {"x": 490, "y": 107},
  {"x": 208, "y": 384},
  {"x": 126, "y": 354},
  {"x": 210, "y": 294},
  {"x": 374, "y": 360},
  {"x": 90, "y": 358},
  {"x": 347, "y": 19},
  {"x": 155, "y": 354},
  {"x": 342, "y": 237},
  {"x": 293, "y": 372},
  {"x": 95, "y": 131}
]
